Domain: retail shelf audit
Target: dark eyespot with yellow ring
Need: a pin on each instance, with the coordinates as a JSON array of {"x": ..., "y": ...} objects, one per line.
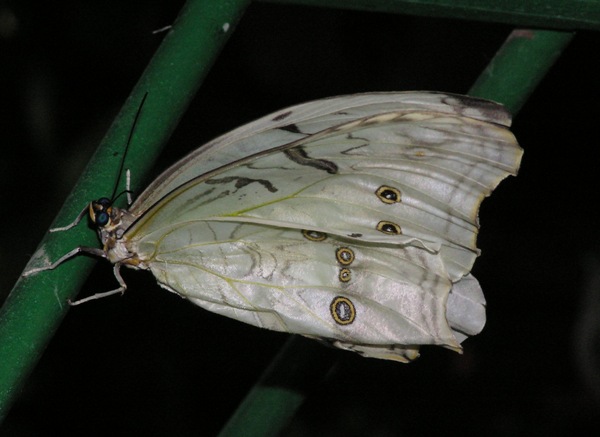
[
  {"x": 345, "y": 256},
  {"x": 345, "y": 275},
  {"x": 314, "y": 235},
  {"x": 389, "y": 228},
  {"x": 388, "y": 194},
  {"x": 342, "y": 310}
]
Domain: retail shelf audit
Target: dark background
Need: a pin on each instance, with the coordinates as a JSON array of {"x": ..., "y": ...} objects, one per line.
[{"x": 151, "y": 364}]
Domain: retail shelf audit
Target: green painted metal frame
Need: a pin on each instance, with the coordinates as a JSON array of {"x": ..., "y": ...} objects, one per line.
[
  {"x": 544, "y": 14},
  {"x": 35, "y": 307}
]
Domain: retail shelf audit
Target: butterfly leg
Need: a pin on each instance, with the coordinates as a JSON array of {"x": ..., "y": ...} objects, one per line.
[
  {"x": 75, "y": 222},
  {"x": 81, "y": 249},
  {"x": 121, "y": 289}
]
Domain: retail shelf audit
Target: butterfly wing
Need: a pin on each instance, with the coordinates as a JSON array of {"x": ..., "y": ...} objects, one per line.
[
  {"x": 259, "y": 238},
  {"x": 300, "y": 121},
  {"x": 279, "y": 279}
]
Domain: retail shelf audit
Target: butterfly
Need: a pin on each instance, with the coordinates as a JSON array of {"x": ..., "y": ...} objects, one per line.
[{"x": 352, "y": 220}]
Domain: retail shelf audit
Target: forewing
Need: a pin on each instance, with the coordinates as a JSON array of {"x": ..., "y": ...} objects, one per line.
[{"x": 300, "y": 121}]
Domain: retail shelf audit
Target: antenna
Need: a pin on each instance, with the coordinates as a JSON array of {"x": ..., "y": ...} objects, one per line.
[{"x": 137, "y": 116}]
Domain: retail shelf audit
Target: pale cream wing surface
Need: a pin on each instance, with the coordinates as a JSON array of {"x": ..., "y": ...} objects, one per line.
[
  {"x": 395, "y": 186},
  {"x": 298, "y": 122},
  {"x": 279, "y": 279}
]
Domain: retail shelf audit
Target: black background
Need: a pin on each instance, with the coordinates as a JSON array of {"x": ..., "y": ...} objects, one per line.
[{"x": 151, "y": 364}]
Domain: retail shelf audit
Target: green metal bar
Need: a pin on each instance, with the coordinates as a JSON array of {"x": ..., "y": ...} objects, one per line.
[
  {"x": 37, "y": 304},
  {"x": 270, "y": 404},
  {"x": 511, "y": 84},
  {"x": 548, "y": 14}
]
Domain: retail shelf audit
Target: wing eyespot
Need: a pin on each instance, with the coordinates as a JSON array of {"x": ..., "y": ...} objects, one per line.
[
  {"x": 345, "y": 275},
  {"x": 345, "y": 256},
  {"x": 342, "y": 310},
  {"x": 389, "y": 194},
  {"x": 314, "y": 235},
  {"x": 390, "y": 228}
]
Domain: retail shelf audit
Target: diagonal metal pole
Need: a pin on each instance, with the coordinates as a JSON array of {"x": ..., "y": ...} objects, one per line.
[{"x": 36, "y": 305}]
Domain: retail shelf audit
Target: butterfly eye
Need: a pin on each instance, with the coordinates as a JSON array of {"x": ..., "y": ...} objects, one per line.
[
  {"x": 389, "y": 228},
  {"x": 388, "y": 194},
  {"x": 101, "y": 218},
  {"x": 100, "y": 211}
]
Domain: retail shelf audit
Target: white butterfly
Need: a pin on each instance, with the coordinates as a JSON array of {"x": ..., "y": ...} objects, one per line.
[{"x": 352, "y": 220}]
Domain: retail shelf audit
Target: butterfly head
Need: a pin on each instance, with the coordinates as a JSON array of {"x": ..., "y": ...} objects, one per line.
[{"x": 104, "y": 215}]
